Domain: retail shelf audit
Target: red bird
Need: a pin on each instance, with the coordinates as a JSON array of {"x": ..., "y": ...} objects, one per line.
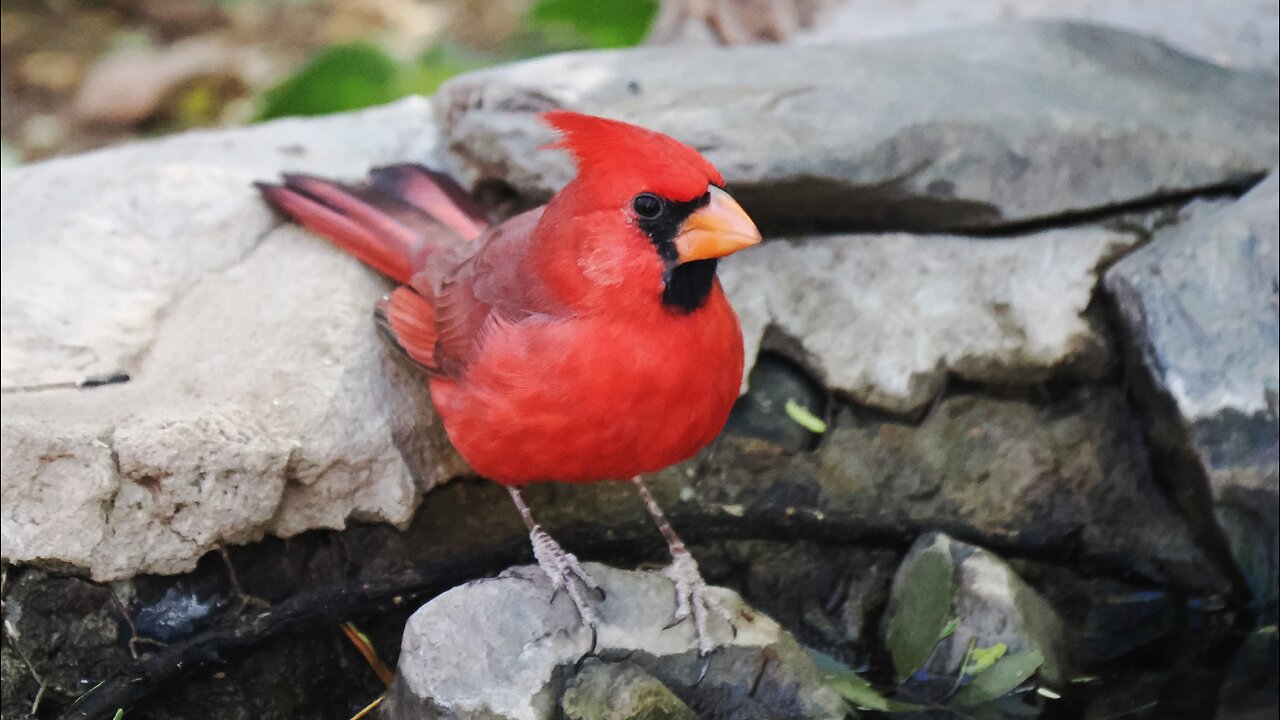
[{"x": 584, "y": 340}]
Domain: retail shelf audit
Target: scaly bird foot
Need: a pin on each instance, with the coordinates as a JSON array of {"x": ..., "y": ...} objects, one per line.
[
  {"x": 565, "y": 573},
  {"x": 692, "y": 600}
]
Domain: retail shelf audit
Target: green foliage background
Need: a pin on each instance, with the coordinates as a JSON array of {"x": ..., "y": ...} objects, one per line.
[{"x": 359, "y": 75}]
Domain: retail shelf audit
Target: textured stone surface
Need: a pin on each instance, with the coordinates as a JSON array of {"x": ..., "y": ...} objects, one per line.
[
  {"x": 1238, "y": 33},
  {"x": 885, "y": 319},
  {"x": 620, "y": 691},
  {"x": 258, "y": 398},
  {"x": 504, "y": 648},
  {"x": 1200, "y": 307},
  {"x": 933, "y": 132},
  {"x": 1050, "y": 474}
]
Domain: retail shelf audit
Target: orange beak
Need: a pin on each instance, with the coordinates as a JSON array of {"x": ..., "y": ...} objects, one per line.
[{"x": 721, "y": 228}]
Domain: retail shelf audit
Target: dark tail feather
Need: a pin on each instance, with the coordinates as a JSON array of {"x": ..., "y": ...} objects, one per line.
[
  {"x": 434, "y": 193},
  {"x": 392, "y": 224}
]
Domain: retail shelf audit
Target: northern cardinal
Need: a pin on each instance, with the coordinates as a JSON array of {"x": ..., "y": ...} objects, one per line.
[{"x": 584, "y": 340}]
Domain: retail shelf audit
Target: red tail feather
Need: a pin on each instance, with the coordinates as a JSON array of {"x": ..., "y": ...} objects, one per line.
[{"x": 392, "y": 224}]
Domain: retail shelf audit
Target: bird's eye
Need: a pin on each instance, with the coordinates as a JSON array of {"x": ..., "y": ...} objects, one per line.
[{"x": 647, "y": 205}]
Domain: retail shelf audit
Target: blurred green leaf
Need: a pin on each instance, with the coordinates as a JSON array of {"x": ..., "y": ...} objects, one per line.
[
  {"x": 853, "y": 688},
  {"x": 1004, "y": 676},
  {"x": 825, "y": 663},
  {"x": 338, "y": 78},
  {"x": 924, "y": 603},
  {"x": 600, "y": 24},
  {"x": 858, "y": 691},
  {"x": 949, "y": 629},
  {"x": 438, "y": 65}
]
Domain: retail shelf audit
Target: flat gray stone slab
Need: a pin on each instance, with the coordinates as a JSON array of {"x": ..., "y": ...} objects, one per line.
[
  {"x": 941, "y": 131},
  {"x": 1235, "y": 33},
  {"x": 885, "y": 319}
]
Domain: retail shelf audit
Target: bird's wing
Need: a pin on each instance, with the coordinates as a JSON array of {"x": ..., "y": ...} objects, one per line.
[{"x": 470, "y": 291}]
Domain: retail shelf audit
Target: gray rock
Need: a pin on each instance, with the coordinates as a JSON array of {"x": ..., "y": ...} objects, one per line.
[
  {"x": 505, "y": 648},
  {"x": 885, "y": 319},
  {"x": 1041, "y": 473},
  {"x": 985, "y": 605},
  {"x": 1199, "y": 305},
  {"x": 968, "y": 129},
  {"x": 1237, "y": 33},
  {"x": 258, "y": 397}
]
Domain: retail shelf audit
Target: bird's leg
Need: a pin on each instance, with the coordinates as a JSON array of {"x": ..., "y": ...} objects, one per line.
[
  {"x": 691, "y": 590},
  {"x": 560, "y": 566}
]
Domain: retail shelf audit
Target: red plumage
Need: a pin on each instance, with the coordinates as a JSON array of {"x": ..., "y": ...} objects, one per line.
[{"x": 552, "y": 355}]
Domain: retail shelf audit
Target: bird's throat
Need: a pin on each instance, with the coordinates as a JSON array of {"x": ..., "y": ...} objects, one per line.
[{"x": 688, "y": 285}]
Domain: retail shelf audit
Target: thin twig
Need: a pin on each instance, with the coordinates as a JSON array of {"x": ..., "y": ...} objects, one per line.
[
  {"x": 362, "y": 644},
  {"x": 35, "y": 704}
]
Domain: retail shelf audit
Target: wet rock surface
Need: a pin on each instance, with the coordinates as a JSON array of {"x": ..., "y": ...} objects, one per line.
[
  {"x": 979, "y": 142},
  {"x": 520, "y": 646},
  {"x": 1200, "y": 308}
]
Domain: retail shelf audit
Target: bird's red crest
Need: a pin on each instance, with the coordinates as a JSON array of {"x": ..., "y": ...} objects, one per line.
[{"x": 618, "y": 154}]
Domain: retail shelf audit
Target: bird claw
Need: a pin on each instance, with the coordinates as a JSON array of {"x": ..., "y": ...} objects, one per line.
[
  {"x": 692, "y": 600},
  {"x": 567, "y": 574}
]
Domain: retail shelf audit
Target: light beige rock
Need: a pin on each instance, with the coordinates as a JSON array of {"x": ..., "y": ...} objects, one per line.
[
  {"x": 885, "y": 318},
  {"x": 259, "y": 399}
]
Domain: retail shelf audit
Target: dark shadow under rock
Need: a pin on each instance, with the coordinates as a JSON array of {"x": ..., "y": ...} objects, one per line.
[
  {"x": 830, "y": 596},
  {"x": 1060, "y": 477}
]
